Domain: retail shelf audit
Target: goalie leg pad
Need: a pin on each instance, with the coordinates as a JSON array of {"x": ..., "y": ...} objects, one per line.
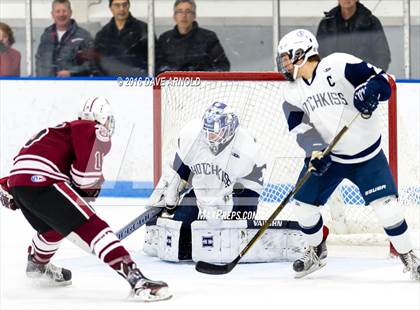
[
  {"x": 151, "y": 240},
  {"x": 310, "y": 220},
  {"x": 282, "y": 241},
  {"x": 391, "y": 216},
  {"x": 168, "y": 239}
]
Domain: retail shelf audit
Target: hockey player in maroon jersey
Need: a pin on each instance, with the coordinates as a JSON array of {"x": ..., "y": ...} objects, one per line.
[{"x": 52, "y": 179}]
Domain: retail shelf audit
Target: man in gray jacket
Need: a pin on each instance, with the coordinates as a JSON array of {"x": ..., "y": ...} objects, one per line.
[
  {"x": 351, "y": 28},
  {"x": 65, "y": 49}
]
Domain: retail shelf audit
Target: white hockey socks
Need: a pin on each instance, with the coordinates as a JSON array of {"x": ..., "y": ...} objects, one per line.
[
  {"x": 391, "y": 216},
  {"x": 310, "y": 220}
]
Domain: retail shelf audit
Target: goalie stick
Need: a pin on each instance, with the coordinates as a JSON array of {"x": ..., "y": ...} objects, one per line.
[
  {"x": 138, "y": 222},
  {"x": 209, "y": 268},
  {"x": 143, "y": 218}
]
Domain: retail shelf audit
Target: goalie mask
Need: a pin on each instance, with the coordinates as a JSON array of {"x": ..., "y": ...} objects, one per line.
[
  {"x": 219, "y": 126},
  {"x": 297, "y": 45},
  {"x": 98, "y": 109}
]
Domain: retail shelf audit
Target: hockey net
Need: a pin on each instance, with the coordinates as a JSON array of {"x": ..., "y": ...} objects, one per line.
[{"x": 257, "y": 99}]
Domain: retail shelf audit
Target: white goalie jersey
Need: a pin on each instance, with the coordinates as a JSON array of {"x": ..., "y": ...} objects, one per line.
[
  {"x": 327, "y": 101},
  {"x": 213, "y": 176}
]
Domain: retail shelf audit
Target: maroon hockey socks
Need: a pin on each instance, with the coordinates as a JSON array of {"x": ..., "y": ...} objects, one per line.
[
  {"x": 44, "y": 246},
  {"x": 104, "y": 243}
]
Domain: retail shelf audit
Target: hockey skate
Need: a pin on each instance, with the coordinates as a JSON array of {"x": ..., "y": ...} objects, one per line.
[
  {"x": 314, "y": 259},
  {"x": 47, "y": 274},
  {"x": 144, "y": 289},
  {"x": 411, "y": 264}
]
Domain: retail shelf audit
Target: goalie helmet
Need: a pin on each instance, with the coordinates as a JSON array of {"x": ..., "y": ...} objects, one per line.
[
  {"x": 219, "y": 125},
  {"x": 299, "y": 44},
  {"x": 98, "y": 109}
]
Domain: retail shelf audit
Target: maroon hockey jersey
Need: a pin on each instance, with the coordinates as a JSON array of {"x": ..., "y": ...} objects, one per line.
[{"x": 72, "y": 152}]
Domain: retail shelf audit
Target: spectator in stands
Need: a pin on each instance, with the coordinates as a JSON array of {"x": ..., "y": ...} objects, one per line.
[
  {"x": 188, "y": 47},
  {"x": 352, "y": 28},
  {"x": 121, "y": 45},
  {"x": 9, "y": 57},
  {"x": 65, "y": 49}
]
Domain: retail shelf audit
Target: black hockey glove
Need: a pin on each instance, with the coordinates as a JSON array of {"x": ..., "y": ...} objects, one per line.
[
  {"x": 6, "y": 199},
  {"x": 320, "y": 163},
  {"x": 366, "y": 98}
]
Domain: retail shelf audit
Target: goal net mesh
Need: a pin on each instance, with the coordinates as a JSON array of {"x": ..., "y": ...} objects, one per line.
[{"x": 257, "y": 99}]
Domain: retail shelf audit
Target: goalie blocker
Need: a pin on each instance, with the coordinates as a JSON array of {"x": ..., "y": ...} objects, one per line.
[{"x": 283, "y": 241}]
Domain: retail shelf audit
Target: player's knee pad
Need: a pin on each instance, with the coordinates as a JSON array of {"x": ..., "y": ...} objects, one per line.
[
  {"x": 283, "y": 240},
  {"x": 388, "y": 211},
  {"x": 307, "y": 215}
]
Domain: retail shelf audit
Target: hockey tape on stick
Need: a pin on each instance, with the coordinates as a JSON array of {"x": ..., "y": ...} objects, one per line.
[
  {"x": 142, "y": 219},
  {"x": 138, "y": 222}
]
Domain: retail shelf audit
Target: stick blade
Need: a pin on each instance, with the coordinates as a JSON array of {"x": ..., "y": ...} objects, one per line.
[{"x": 208, "y": 268}]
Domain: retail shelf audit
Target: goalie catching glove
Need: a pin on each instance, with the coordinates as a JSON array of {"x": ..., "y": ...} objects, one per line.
[
  {"x": 168, "y": 191},
  {"x": 6, "y": 199}
]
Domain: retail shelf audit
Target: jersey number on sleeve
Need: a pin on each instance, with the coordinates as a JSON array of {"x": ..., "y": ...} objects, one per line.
[{"x": 99, "y": 157}]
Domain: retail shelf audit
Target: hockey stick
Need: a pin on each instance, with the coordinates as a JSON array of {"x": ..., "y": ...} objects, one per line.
[
  {"x": 209, "y": 268},
  {"x": 138, "y": 222},
  {"x": 142, "y": 219}
]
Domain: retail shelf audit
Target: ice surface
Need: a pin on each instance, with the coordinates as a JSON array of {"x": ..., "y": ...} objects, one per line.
[{"x": 345, "y": 283}]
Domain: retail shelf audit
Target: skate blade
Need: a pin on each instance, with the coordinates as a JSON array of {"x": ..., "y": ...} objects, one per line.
[
  {"x": 314, "y": 268},
  {"x": 146, "y": 295}
]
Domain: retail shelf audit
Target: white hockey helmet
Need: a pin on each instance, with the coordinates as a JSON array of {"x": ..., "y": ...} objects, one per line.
[
  {"x": 294, "y": 46},
  {"x": 219, "y": 125},
  {"x": 98, "y": 109}
]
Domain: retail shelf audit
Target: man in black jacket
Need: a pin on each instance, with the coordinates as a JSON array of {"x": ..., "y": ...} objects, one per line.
[
  {"x": 188, "y": 47},
  {"x": 65, "y": 49},
  {"x": 121, "y": 45},
  {"x": 352, "y": 28}
]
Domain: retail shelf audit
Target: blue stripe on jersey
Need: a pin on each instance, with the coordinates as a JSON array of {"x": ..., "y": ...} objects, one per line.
[
  {"x": 294, "y": 119},
  {"x": 309, "y": 140},
  {"x": 361, "y": 154},
  {"x": 293, "y": 115},
  {"x": 182, "y": 169},
  {"x": 359, "y": 73}
]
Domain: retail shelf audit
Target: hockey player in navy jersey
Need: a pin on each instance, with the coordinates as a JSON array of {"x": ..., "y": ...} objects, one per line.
[
  {"x": 52, "y": 179},
  {"x": 328, "y": 93}
]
